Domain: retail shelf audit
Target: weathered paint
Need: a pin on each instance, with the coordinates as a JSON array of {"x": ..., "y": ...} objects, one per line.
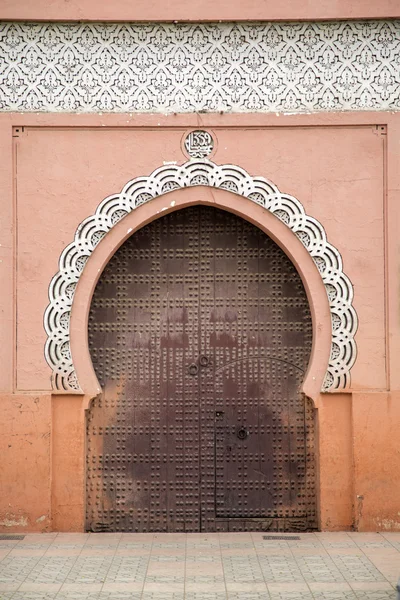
[{"x": 25, "y": 464}]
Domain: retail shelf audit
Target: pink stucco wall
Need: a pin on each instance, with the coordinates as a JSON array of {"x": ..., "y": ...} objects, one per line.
[
  {"x": 54, "y": 173},
  {"x": 199, "y": 10},
  {"x": 335, "y": 172}
]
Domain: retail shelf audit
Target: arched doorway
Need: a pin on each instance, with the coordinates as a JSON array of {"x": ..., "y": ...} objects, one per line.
[{"x": 200, "y": 335}]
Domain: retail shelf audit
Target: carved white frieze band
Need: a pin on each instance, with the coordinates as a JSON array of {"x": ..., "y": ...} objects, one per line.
[
  {"x": 253, "y": 67},
  {"x": 173, "y": 177}
]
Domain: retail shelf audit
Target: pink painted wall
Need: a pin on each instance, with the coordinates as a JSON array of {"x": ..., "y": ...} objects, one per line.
[
  {"x": 199, "y": 10},
  {"x": 333, "y": 171},
  {"x": 54, "y": 174},
  {"x": 25, "y": 469}
]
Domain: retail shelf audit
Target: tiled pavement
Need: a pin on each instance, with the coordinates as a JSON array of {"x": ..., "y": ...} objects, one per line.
[{"x": 226, "y": 566}]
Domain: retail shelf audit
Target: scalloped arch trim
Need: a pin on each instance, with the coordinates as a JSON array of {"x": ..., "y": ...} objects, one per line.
[{"x": 172, "y": 177}]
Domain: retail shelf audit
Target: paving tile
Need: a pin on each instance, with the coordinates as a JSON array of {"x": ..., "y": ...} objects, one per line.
[
  {"x": 132, "y": 552},
  {"x": 291, "y": 595},
  {"x": 50, "y": 570},
  {"x": 307, "y": 543},
  {"x": 248, "y": 595},
  {"x": 203, "y": 546},
  {"x": 96, "y": 551},
  {"x": 336, "y": 540},
  {"x": 67, "y": 588},
  {"x": 205, "y": 588},
  {"x": 261, "y": 552},
  {"x": 240, "y": 588},
  {"x": 160, "y": 588},
  {"x": 235, "y": 536},
  {"x": 206, "y": 596},
  {"x": 8, "y": 587},
  {"x": 15, "y": 569},
  {"x": 81, "y": 595},
  {"x": 20, "y": 551},
  {"x": 318, "y": 588},
  {"x": 102, "y": 537},
  {"x": 357, "y": 568},
  {"x": 119, "y": 595},
  {"x": 173, "y": 545},
  {"x": 288, "y": 590},
  {"x": 126, "y": 587},
  {"x": 238, "y": 569},
  {"x": 163, "y": 595},
  {"x": 280, "y": 569},
  {"x": 170, "y": 557},
  {"x": 351, "y": 551},
  {"x": 361, "y": 586},
  {"x": 57, "y": 551},
  {"x": 201, "y": 579},
  {"x": 65, "y": 535},
  {"x": 209, "y": 539},
  {"x": 127, "y": 569},
  {"x": 236, "y": 544},
  {"x": 8, "y": 544},
  {"x": 202, "y": 558},
  {"x": 31, "y": 595},
  {"x": 247, "y": 552},
  {"x": 369, "y": 540},
  {"x": 166, "y": 579},
  {"x": 99, "y": 548},
  {"x": 315, "y": 568},
  {"x": 144, "y": 538},
  {"x": 89, "y": 570},
  {"x": 312, "y": 550},
  {"x": 345, "y": 544},
  {"x": 131, "y": 545},
  {"x": 66, "y": 544},
  {"x": 374, "y": 544},
  {"x": 270, "y": 545},
  {"x": 334, "y": 595},
  {"x": 38, "y": 538},
  {"x": 375, "y": 594},
  {"x": 39, "y": 587},
  {"x": 393, "y": 539}
]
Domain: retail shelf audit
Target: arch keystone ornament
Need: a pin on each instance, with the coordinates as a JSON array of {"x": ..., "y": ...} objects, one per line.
[{"x": 195, "y": 173}]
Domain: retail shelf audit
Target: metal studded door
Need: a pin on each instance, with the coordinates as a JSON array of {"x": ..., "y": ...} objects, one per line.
[{"x": 200, "y": 334}]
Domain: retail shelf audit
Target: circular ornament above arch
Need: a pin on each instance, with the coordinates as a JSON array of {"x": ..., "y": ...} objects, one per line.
[{"x": 205, "y": 173}]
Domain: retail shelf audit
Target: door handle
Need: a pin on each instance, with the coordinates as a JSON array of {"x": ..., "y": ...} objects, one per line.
[
  {"x": 204, "y": 361},
  {"x": 242, "y": 433},
  {"x": 193, "y": 369}
]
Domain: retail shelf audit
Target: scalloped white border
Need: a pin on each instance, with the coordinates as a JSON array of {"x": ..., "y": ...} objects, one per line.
[{"x": 173, "y": 177}]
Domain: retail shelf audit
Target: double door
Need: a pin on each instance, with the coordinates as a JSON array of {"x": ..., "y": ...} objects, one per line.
[{"x": 200, "y": 334}]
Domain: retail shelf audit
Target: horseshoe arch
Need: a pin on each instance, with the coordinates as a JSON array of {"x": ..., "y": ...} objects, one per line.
[{"x": 224, "y": 177}]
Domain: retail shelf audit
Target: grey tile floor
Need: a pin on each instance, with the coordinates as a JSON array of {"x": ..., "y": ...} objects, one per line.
[{"x": 200, "y": 566}]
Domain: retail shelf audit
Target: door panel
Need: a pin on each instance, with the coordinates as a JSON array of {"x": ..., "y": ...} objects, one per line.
[
  {"x": 260, "y": 441},
  {"x": 200, "y": 333}
]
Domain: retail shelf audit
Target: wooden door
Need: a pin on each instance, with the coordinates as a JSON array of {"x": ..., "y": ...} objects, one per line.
[{"x": 200, "y": 333}]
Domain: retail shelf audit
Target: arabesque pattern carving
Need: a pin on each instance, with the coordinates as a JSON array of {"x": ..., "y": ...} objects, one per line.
[
  {"x": 172, "y": 177},
  {"x": 234, "y": 67}
]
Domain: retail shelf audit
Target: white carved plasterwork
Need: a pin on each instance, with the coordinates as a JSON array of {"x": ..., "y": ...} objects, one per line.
[
  {"x": 172, "y": 177},
  {"x": 230, "y": 67}
]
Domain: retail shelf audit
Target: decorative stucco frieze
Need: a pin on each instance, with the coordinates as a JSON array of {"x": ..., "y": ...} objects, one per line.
[
  {"x": 167, "y": 68},
  {"x": 172, "y": 177}
]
